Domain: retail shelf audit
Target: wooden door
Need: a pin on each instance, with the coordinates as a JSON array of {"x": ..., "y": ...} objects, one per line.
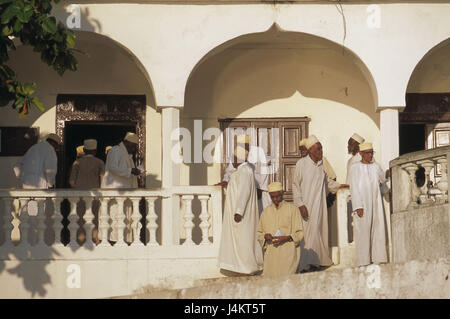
[{"x": 278, "y": 137}]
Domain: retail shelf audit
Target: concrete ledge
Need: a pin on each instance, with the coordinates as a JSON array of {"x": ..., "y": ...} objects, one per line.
[
  {"x": 422, "y": 233},
  {"x": 414, "y": 279}
]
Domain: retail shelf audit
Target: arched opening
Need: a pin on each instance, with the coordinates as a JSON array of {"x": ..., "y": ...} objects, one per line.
[
  {"x": 107, "y": 70},
  {"x": 277, "y": 74},
  {"x": 425, "y": 122}
]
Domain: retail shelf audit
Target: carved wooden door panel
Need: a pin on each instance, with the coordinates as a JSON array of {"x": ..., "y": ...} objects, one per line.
[
  {"x": 291, "y": 132},
  {"x": 277, "y": 137}
]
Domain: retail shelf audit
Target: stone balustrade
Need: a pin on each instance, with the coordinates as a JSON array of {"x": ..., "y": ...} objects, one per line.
[
  {"x": 407, "y": 192},
  {"x": 84, "y": 220}
]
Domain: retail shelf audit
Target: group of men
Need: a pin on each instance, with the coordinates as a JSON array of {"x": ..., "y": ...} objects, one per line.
[
  {"x": 293, "y": 237},
  {"x": 38, "y": 167}
]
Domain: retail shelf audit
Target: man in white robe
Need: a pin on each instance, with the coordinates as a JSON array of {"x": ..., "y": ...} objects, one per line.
[
  {"x": 353, "y": 149},
  {"x": 310, "y": 187},
  {"x": 326, "y": 165},
  {"x": 257, "y": 160},
  {"x": 366, "y": 178},
  {"x": 120, "y": 172},
  {"x": 240, "y": 251},
  {"x": 37, "y": 168},
  {"x": 279, "y": 233}
]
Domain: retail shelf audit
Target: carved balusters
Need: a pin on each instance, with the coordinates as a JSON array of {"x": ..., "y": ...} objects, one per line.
[
  {"x": 411, "y": 168},
  {"x": 103, "y": 222},
  {"x": 428, "y": 165},
  {"x": 151, "y": 221},
  {"x": 120, "y": 221},
  {"x": 135, "y": 224},
  {"x": 204, "y": 217},
  {"x": 73, "y": 225},
  {"x": 7, "y": 221},
  {"x": 443, "y": 183},
  {"x": 188, "y": 217},
  {"x": 24, "y": 225},
  {"x": 57, "y": 220},
  {"x": 40, "y": 221},
  {"x": 88, "y": 218}
]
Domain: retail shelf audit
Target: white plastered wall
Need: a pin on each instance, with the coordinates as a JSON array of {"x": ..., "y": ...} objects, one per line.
[
  {"x": 275, "y": 81},
  {"x": 107, "y": 69},
  {"x": 170, "y": 39}
]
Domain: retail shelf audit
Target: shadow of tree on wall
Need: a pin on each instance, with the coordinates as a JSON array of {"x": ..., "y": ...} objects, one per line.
[{"x": 34, "y": 263}]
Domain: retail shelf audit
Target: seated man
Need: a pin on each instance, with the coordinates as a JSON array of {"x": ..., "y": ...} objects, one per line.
[{"x": 279, "y": 233}]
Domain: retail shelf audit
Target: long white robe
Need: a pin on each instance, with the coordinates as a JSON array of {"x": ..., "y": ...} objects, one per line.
[
  {"x": 118, "y": 169},
  {"x": 118, "y": 175},
  {"x": 370, "y": 229},
  {"x": 240, "y": 250},
  {"x": 352, "y": 160},
  {"x": 328, "y": 169},
  {"x": 257, "y": 160},
  {"x": 38, "y": 167},
  {"x": 310, "y": 187}
]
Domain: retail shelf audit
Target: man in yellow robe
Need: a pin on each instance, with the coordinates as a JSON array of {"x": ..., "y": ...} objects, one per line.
[{"x": 279, "y": 233}]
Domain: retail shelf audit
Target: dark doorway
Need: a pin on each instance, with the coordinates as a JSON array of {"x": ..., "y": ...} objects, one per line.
[
  {"x": 75, "y": 132},
  {"x": 412, "y": 138}
]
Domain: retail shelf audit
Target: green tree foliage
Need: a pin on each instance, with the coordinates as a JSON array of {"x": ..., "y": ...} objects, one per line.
[{"x": 31, "y": 23}]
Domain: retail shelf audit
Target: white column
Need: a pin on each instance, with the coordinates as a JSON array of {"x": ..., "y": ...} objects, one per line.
[
  {"x": 389, "y": 136},
  {"x": 390, "y": 147},
  {"x": 170, "y": 176}
]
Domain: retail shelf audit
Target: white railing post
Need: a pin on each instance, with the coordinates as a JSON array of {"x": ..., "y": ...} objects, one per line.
[
  {"x": 151, "y": 221},
  {"x": 24, "y": 225},
  {"x": 204, "y": 217},
  {"x": 411, "y": 168},
  {"x": 57, "y": 220},
  {"x": 135, "y": 222},
  {"x": 119, "y": 221},
  {"x": 443, "y": 183},
  {"x": 103, "y": 222},
  {"x": 7, "y": 221},
  {"x": 73, "y": 225},
  {"x": 188, "y": 217},
  {"x": 88, "y": 218},
  {"x": 427, "y": 165},
  {"x": 40, "y": 222}
]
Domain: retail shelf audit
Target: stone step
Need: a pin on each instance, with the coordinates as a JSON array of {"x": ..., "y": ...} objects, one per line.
[{"x": 413, "y": 279}]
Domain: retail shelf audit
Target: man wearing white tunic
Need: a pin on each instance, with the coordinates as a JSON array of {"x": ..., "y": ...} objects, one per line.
[
  {"x": 353, "y": 149},
  {"x": 120, "y": 172},
  {"x": 240, "y": 251},
  {"x": 279, "y": 233},
  {"x": 326, "y": 165},
  {"x": 366, "y": 178},
  {"x": 38, "y": 167},
  {"x": 310, "y": 187},
  {"x": 258, "y": 162}
]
